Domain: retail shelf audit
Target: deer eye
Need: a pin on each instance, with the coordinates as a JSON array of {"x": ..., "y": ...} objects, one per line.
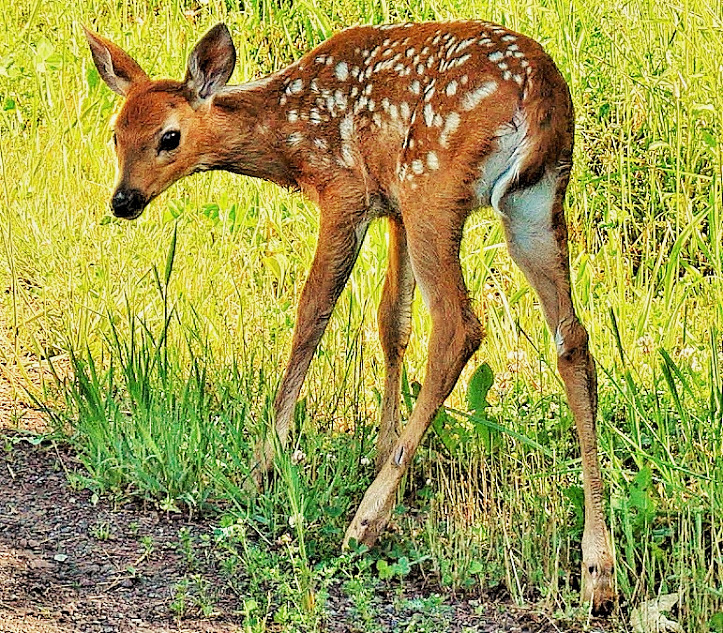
[{"x": 169, "y": 141}]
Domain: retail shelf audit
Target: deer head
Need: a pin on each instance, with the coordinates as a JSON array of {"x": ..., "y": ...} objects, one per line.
[{"x": 159, "y": 131}]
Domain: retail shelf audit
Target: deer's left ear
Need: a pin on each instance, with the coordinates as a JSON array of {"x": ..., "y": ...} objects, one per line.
[{"x": 211, "y": 63}]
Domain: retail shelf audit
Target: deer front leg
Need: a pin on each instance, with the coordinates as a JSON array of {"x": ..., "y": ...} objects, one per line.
[
  {"x": 456, "y": 334},
  {"x": 341, "y": 234},
  {"x": 395, "y": 326}
]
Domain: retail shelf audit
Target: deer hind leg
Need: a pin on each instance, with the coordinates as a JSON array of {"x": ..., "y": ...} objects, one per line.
[
  {"x": 395, "y": 326},
  {"x": 456, "y": 334},
  {"x": 534, "y": 223},
  {"x": 341, "y": 234}
]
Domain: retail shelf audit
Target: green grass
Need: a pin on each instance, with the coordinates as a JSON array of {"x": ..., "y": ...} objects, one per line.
[{"x": 177, "y": 325}]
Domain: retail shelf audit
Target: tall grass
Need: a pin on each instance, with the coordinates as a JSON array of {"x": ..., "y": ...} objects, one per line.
[{"x": 176, "y": 358}]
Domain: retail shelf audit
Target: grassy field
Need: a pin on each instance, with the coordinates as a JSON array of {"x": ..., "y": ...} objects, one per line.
[{"x": 177, "y": 325}]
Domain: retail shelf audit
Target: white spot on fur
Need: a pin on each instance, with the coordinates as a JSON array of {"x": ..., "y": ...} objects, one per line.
[
  {"x": 340, "y": 99},
  {"x": 451, "y": 89},
  {"x": 472, "y": 99},
  {"x": 462, "y": 45},
  {"x": 451, "y": 124},
  {"x": 495, "y": 56},
  {"x": 428, "y": 114},
  {"x": 417, "y": 166},
  {"x": 292, "y": 116},
  {"x": 414, "y": 87},
  {"x": 346, "y": 128},
  {"x": 341, "y": 71},
  {"x": 295, "y": 138},
  {"x": 360, "y": 104},
  {"x": 432, "y": 161}
]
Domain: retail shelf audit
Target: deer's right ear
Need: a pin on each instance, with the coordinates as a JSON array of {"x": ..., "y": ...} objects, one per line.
[
  {"x": 117, "y": 68},
  {"x": 211, "y": 63}
]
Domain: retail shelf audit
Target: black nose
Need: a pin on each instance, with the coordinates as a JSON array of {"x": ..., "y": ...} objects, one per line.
[{"x": 128, "y": 203}]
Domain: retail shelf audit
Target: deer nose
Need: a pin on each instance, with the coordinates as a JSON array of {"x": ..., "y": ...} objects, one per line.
[{"x": 128, "y": 203}]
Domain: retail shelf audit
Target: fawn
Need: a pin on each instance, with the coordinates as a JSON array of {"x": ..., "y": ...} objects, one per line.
[{"x": 422, "y": 124}]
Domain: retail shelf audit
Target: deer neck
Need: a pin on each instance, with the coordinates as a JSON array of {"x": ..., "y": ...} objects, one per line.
[{"x": 245, "y": 134}]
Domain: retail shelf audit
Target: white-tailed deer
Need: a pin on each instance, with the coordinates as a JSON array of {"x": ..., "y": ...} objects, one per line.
[{"x": 422, "y": 124}]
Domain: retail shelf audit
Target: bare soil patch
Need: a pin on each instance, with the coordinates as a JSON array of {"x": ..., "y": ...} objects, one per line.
[{"x": 69, "y": 564}]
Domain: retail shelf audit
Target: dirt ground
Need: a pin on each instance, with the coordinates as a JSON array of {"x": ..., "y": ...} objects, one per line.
[{"x": 70, "y": 562}]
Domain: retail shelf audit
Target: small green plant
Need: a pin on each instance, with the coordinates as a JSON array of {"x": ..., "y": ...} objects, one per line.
[
  {"x": 361, "y": 592},
  {"x": 101, "y": 531},
  {"x": 398, "y": 569}
]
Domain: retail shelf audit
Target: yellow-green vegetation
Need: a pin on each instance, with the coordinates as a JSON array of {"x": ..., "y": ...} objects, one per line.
[{"x": 177, "y": 325}]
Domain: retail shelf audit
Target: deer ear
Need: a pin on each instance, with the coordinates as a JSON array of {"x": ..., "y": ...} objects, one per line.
[
  {"x": 211, "y": 63},
  {"x": 117, "y": 68}
]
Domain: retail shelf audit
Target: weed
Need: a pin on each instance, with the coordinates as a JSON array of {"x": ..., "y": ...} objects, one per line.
[{"x": 101, "y": 531}]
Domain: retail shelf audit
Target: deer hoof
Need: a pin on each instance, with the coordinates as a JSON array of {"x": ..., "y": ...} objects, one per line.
[
  {"x": 597, "y": 585},
  {"x": 371, "y": 518}
]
